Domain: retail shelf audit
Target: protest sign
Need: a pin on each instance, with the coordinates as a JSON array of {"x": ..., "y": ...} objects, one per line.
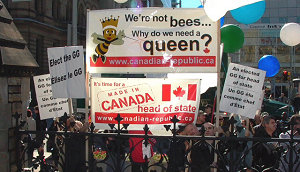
[
  {"x": 49, "y": 106},
  {"x": 242, "y": 90},
  {"x": 66, "y": 66},
  {"x": 141, "y": 101},
  {"x": 151, "y": 40}
]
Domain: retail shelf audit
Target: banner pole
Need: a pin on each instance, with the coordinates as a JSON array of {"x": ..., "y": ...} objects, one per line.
[
  {"x": 87, "y": 116},
  {"x": 219, "y": 60},
  {"x": 70, "y": 106}
]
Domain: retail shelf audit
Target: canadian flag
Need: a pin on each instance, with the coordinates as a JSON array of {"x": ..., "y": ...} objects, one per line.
[{"x": 179, "y": 92}]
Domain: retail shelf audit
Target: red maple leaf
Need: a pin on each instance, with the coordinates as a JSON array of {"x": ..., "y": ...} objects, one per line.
[
  {"x": 206, "y": 50},
  {"x": 179, "y": 92}
]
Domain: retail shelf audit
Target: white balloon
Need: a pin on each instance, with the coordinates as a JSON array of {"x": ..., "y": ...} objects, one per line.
[
  {"x": 121, "y": 1},
  {"x": 216, "y": 9},
  {"x": 290, "y": 34}
]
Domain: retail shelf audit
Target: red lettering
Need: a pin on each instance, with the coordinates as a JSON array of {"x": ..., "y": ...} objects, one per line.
[
  {"x": 148, "y": 97},
  {"x": 114, "y": 104},
  {"x": 138, "y": 100},
  {"x": 131, "y": 100},
  {"x": 123, "y": 102},
  {"x": 103, "y": 107}
]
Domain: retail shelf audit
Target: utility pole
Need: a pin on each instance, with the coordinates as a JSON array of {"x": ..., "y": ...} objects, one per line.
[{"x": 74, "y": 22}]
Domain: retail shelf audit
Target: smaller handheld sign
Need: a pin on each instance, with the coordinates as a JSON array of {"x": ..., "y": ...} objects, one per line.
[
  {"x": 49, "y": 106},
  {"x": 242, "y": 90},
  {"x": 66, "y": 66}
]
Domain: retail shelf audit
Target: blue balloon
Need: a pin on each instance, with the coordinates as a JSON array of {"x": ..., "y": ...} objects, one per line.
[
  {"x": 222, "y": 21},
  {"x": 270, "y": 64},
  {"x": 249, "y": 13},
  {"x": 200, "y": 6}
]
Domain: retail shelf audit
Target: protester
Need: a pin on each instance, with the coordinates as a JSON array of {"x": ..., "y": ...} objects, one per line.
[
  {"x": 75, "y": 146},
  {"x": 41, "y": 126},
  {"x": 201, "y": 119},
  {"x": 282, "y": 98},
  {"x": 202, "y": 153},
  {"x": 296, "y": 103},
  {"x": 209, "y": 110},
  {"x": 178, "y": 149},
  {"x": 115, "y": 149},
  {"x": 140, "y": 152},
  {"x": 31, "y": 126},
  {"x": 285, "y": 158},
  {"x": 265, "y": 154}
]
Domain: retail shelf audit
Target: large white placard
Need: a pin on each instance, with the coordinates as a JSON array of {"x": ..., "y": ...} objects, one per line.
[
  {"x": 242, "y": 90},
  {"x": 49, "y": 106},
  {"x": 143, "y": 101},
  {"x": 151, "y": 40},
  {"x": 66, "y": 66}
]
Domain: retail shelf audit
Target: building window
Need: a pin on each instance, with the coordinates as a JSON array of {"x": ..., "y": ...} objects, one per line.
[
  {"x": 265, "y": 20},
  {"x": 265, "y": 50},
  {"x": 248, "y": 54},
  {"x": 283, "y": 20},
  {"x": 283, "y": 53}
]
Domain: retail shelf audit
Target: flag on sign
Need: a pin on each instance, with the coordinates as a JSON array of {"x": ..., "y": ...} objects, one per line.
[{"x": 167, "y": 92}]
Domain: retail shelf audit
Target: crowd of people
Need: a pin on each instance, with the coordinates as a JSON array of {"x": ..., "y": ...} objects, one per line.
[
  {"x": 202, "y": 155},
  {"x": 183, "y": 154}
]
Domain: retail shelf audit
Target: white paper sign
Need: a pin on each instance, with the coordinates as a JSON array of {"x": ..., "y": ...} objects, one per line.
[
  {"x": 66, "y": 66},
  {"x": 151, "y": 40},
  {"x": 49, "y": 106},
  {"x": 141, "y": 101},
  {"x": 242, "y": 90}
]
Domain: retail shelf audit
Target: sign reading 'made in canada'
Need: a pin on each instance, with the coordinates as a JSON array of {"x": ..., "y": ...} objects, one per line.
[{"x": 143, "y": 101}]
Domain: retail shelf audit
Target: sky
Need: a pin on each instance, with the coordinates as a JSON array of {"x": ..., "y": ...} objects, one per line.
[
  {"x": 190, "y": 3},
  {"x": 207, "y": 79}
]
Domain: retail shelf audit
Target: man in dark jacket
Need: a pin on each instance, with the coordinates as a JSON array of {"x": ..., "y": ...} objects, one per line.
[
  {"x": 202, "y": 154},
  {"x": 265, "y": 154}
]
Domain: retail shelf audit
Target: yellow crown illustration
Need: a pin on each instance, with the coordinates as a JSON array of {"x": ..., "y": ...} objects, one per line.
[{"x": 109, "y": 22}]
